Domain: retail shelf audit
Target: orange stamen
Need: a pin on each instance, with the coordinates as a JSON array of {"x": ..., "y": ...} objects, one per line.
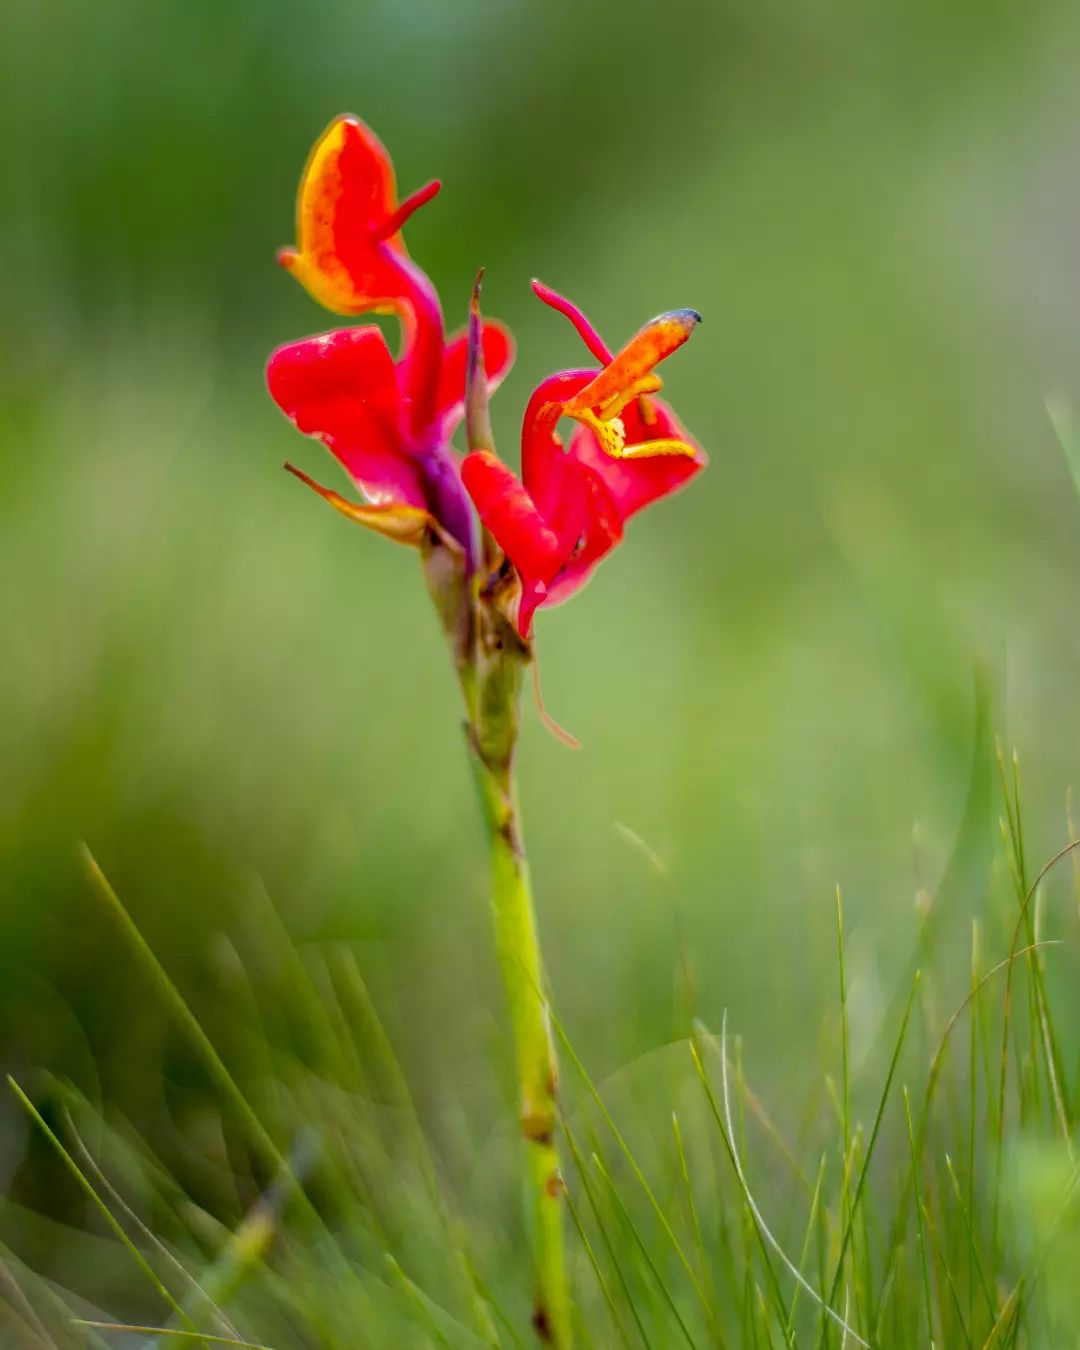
[{"x": 629, "y": 374}]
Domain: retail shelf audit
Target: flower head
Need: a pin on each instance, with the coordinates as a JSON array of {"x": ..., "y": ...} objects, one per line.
[
  {"x": 388, "y": 422},
  {"x": 568, "y": 509}
]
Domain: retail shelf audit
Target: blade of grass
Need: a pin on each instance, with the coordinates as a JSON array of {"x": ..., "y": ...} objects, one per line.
[
  {"x": 23, "y": 1310},
  {"x": 132, "y": 1330},
  {"x": 91, "y": 1164},
  {"x": 624, "y": 1284},
  {"x": 936, "y": 1063},
  {"x": 48, "y": 1295},
  {"x": 349, "y": 975},
  {"x": 943, "y": 1263},
  {"x": 642, "y": 1246},
  {"x": 811, "y": 1224},
  {"x": 924, "y": 1263},
  {"x": 726, "y": 1137},
  {"x": 174, "y": 1000},
  {"x": 973, "y": 1247},
  {"x": 695, "y": 1224},
  {"x": 418, "y": 1301},
  {"x": 1051, "y": 1051},
  {"x": 627, "y": 1153},
  {"x": 259, "y": 1137},
  {"x": 1009, "y": 1316},
  {"x": 761, "y": 1228},
  {"x": 86, "y": 1186},
  {"x": 845, "y": 1080},
  {"x": 1021, "y": 922},
  {"x": 1063, "y": 420},
  {"x": 875, "y": 1129},
  {"x": 973, "y": 1089},
  {"x": 594, "y": 1262}
]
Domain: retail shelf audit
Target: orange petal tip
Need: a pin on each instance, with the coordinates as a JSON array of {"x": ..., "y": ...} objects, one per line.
[{"x": 404, "y": 524}]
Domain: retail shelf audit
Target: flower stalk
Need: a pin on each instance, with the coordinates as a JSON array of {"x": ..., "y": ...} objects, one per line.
[
  {"x": 501, "y": 658},
  {"x": 495, "y": 546},
  {"x": 518, "y": 948}
]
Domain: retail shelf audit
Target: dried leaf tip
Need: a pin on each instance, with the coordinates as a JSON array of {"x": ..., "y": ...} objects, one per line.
[{"x": 478, "y": 433}]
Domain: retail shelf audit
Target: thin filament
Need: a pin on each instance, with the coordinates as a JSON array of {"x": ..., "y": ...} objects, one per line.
[{"x": 583, "y": 327}]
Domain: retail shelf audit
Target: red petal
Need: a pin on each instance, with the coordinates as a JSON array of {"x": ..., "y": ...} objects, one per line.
[
  {"x": 342, "y": 388},
  {"x": 498, "y": 358},
  {"x": 509, "y": 513},
  {"x": 602, "y": 531},
  {"x": 352, "y": 167},
  {"x": 325, "y": 383},
  {"x": 539, "y": 427},
  {"x": 555, "y": 552},
  {"x": 634, "y": 483},
  {"x": 587, "y": 525},
  {"x": 346, "y": 203}
]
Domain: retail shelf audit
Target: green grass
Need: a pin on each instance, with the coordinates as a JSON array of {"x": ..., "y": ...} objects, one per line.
[{"x": 929, "y": 1196}]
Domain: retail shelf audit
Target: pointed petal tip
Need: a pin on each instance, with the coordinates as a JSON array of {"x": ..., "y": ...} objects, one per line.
[
  {"x": 289, "y": 467},
  {"x": 387, "y": 228},
  {"x": 688, "y": 318},
  {"x": 403, "y": 524}
]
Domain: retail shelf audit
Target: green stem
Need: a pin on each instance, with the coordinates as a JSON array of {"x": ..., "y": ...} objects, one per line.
[{"x": 522, "y": 968}]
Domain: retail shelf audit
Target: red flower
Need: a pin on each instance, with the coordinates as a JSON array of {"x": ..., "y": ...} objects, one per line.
[
  {"x": 388, "y": 422},
  {"x": 569, "y": 507}
]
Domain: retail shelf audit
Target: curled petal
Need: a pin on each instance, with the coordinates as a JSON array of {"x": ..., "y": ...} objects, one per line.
[
  {"x": 349, "y": 249},
  {"x": 539, "y": 427},
  {"x": 404, "y": 524}
]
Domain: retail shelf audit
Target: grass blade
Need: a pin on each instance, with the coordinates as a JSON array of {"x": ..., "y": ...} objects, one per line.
[
  {"x": 632, "y": 1227},
  {"x": 87, "y": 1187},
  {"x": 627, "y": 1153},
  {"x": 875, "y": 1129}
]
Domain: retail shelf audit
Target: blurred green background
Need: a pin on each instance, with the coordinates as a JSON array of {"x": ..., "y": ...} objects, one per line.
[{"x": 789, "y": 676}]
